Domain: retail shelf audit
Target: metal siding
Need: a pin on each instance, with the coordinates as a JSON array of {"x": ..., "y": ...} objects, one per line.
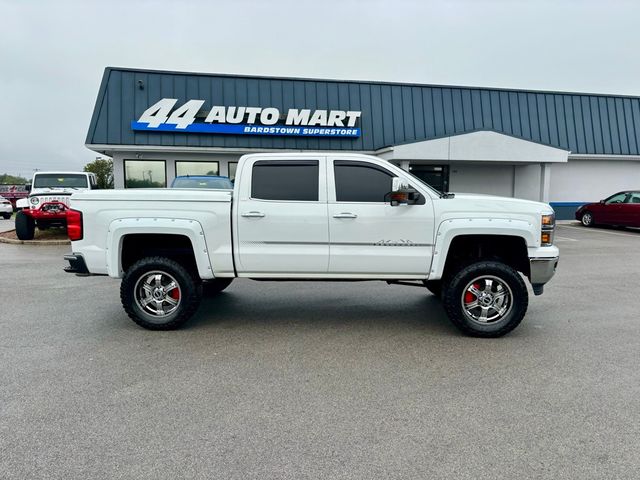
[
  {"x": 613, "y": 125},
  {"x": 467, "y": 110},
  {"x": 628, "y": 120},
  {"x": 505, "y": 116},
  {"x": 458, "y": 113},
  {"x": 578, "y": 121},
  {"x": 114, "y": 112},
  {"x": 418, "y": 112},
  {"x": 514, "y": 114},
  {"x": 384, "y": 92},
  {"x": 485, "y": 102},
  {"x": 588, "y": 126},
  {"x": 476, "y": 110},
  {"x": 396, "y": 109},
  {"x": 377, "y": 118},
  {"x": 622, "y": 128},
  {"x": 561, "y": 123},
  {"x": 407, "y": 115},
  {"x": 366, "y": 122},
  {"x": 428, "y": 113},
  {"x": 598, "y": 145},
  {"x": 543, "y": 118},
  {"x": 604, "y": 119},
  {"x": 391, "y": 113},
  {"x": 496, "y": 117},
  {"x": 523, "y": 114},
  {"x": 447, "y": 106},
  {"x": 534, "y": 122},
  {"x": 635, "y": 107}
]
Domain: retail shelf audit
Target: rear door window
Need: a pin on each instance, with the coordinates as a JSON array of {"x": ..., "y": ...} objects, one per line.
[{"x": 285, "y": 180}]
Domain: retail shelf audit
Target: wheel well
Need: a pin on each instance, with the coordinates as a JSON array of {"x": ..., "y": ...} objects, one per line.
[
  {"x": 141, "y": 245},
  {"x": 467, "y": 249}
]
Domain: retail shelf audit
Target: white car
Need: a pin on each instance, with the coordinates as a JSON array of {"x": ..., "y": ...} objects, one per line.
[
  {"x": 322, "y": 216},
  {"x": 6, "y": 209}
]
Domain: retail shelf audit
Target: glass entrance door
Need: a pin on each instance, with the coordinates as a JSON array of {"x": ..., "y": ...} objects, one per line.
[{"x": 435, "y": 175}]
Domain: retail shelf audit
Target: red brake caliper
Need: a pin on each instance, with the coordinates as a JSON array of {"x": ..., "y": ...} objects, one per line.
[
  {"x": 175, "y": 294},
  {"x": 470, "y": 297}
]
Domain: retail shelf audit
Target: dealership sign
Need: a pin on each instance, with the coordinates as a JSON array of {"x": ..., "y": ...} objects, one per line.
[{"x": 164, "y": 117}]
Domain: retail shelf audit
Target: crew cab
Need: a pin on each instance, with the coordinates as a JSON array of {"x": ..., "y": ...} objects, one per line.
[
  {"x": 323, "y": 217},
  {"x": 48, "y": 200}
]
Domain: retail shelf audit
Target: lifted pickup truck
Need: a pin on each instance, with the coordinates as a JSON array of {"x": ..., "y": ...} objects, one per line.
[{"x": 323, "y": 216}]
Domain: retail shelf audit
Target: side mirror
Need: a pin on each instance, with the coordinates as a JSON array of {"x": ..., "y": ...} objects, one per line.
[
  {"x": 27, "y": 187},
  {"x": 601, "y": 201},
  {"x": 402, "y": 194}
]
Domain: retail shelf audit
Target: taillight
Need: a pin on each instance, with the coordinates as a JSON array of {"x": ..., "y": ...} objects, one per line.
[{"x": 74, "y": 225}]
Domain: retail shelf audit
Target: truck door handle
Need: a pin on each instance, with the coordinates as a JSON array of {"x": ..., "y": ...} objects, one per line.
[
  {"x": 345, "y": 215},
  {"x": 253, "y": 214}
]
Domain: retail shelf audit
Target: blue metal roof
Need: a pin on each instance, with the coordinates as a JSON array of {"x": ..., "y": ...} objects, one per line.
[{"x": 392, "y": 113}]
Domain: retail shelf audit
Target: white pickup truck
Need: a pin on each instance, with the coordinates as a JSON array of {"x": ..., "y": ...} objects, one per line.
[{"x": 315, "y": 216}]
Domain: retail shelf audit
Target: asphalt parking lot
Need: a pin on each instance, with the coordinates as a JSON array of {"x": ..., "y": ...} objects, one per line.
[{"x": 312, "y": 380}]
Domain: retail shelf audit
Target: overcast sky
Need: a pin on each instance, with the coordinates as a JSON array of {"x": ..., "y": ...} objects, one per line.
[{"x": 52, "y": 54}]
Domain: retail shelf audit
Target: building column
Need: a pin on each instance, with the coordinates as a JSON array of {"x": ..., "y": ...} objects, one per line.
[
  {"x": 545, "y": 181},
  {"x": 118, "y": 171}
]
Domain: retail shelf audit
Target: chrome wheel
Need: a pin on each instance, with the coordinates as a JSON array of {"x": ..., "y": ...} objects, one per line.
[
  {"x": 587, "y": 219},
  {"x": 157, "y": 293},
  {"x": 486, "y": 300}
]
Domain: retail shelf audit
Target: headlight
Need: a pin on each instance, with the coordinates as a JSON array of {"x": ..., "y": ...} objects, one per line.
[
  {"x": 548, "y": 223},
  {"x": 35, "y": 200}
]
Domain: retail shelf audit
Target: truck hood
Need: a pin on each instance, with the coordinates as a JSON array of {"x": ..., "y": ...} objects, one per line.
[{"x": 491, "y": 204}]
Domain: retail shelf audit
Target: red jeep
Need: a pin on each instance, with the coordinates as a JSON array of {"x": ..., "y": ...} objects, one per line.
[{"x": 48, "y": 200}]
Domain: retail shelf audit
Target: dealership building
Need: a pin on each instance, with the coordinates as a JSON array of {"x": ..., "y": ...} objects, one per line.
[{"x": 562, "y": 148}]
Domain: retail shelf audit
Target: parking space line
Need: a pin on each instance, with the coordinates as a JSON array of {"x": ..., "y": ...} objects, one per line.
[
  {"x": 566, "y": 239},
  {"x": 600, "y": 231}
]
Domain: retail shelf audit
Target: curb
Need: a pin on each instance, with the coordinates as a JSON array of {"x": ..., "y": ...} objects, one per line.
[{"x": 13, "y": 241}]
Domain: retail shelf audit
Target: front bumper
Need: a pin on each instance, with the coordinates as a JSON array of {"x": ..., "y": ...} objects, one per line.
[
  {"x": 55, "y": 214},
  {"x": 542, "y": 270}
]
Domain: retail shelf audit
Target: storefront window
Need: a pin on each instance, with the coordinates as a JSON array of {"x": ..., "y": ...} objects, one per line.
[
  {"x": 145, "y": 174},
  {"x": 196, "y": 168},
  {"x": 232, "y": 170}
]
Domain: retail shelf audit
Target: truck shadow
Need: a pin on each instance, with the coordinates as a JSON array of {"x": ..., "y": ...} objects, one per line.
[{"x": 341, "y": 307}]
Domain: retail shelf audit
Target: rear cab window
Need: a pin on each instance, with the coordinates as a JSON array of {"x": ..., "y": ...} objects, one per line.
[{"x": 285, "y": 180}]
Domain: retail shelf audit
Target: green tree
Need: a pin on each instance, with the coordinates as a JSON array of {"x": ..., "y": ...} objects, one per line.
[
  {"x": 103, "y": 168},
  {"x": 7, "y": 179}
]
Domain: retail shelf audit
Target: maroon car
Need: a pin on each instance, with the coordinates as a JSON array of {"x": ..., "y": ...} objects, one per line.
[{"x": 622, "y": 208}]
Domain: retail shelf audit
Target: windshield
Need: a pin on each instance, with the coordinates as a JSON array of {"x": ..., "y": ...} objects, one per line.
[
  {"x": 62, "y": 180},
  {"x": 202, "y": 182}
]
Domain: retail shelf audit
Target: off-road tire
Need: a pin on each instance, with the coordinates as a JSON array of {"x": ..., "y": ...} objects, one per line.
[
  {"x": 25, "y": 226},
  {"x": 434, "y": 286},
  {"x": 587, "y": 219},
  {"x": 453, "y": 293},
  {"x": 190, "y": 287},
  {"x": 215, "y": 286}
]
